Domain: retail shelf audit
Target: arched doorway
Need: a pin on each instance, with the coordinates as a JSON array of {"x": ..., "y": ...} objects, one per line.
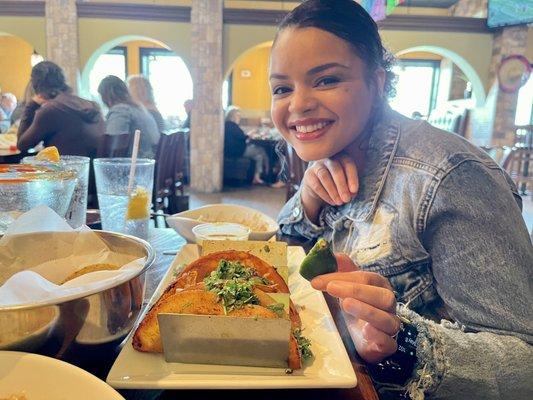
[
  {"x": 453, "y": 77},
  {"x": 132, "y": 55},
  {"x": 246, "y": 83},
  {"x": 16, "y": 59}
]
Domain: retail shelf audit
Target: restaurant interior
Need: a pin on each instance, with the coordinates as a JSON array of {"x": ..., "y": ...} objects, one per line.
[{"x": 196, "y": 74}]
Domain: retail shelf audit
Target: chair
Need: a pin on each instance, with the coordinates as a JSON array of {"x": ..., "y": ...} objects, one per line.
[
  {"x": 238, "y": 171},
  {"x": 519, "y": 166},
  {"x": 296, "y": 167},
  {"x": 523, "y": 136},
  {"x": 114, "y": 146},
  {"x": 169, "y": 194}
]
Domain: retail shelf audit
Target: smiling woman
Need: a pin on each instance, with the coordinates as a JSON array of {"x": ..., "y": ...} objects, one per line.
[{"x": 424, "y": 214}]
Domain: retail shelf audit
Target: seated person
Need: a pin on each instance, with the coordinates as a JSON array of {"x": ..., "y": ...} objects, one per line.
[
  {"x": 235, "y": 145},
  {"x": 142, "y": 93},
  {"x": 8, "y": 103},
  {"x": 126, "y": 116},
  {"x": 57, "y": 117}
]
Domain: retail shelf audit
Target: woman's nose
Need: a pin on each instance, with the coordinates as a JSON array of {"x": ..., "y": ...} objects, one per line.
[{"x": 302, "y": 101}]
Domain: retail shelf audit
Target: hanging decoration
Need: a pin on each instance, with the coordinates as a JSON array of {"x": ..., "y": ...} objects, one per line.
[{"x": 379, "y": 9}]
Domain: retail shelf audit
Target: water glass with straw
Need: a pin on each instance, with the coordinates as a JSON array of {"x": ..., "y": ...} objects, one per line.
[{"x": 124, "y": 187}]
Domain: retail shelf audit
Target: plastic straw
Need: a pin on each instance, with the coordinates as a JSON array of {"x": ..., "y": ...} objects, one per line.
[{"x": 134, "y": 153}]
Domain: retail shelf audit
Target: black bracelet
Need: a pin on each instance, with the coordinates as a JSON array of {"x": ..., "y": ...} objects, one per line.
[{"x": 398, "y": 368}]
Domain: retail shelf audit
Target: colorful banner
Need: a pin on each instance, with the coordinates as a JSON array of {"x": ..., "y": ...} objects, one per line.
[{"x": 379, "y": 9}]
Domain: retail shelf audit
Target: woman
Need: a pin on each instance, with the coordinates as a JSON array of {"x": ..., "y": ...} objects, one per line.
[
  {"x": 141, "y": 91},
  {"x": 425, "y": 215},
  {"x": 235, "y": 145},
  {"x": 126, "y": 116},
  {"x": 57, "y": 117}
]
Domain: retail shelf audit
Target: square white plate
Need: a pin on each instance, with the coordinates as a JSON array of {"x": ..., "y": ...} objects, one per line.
[{"x": 330, "y": 368}]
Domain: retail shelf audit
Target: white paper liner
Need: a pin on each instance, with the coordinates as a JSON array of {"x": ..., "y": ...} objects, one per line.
[{"x": 31, "y": 271}]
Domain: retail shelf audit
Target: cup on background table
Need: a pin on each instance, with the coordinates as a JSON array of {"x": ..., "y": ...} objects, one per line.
[
  {"x": 112, "y": 176},
  {"x": 76, "y": 214}
]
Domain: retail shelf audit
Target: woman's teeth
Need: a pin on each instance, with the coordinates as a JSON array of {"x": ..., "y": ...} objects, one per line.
[{"x": 310, "y": 128}]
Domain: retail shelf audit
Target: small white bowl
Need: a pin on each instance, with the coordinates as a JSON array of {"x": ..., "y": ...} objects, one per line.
[
  {"x": 220, "y": 231},
  {"x": 183, "y": 222}
]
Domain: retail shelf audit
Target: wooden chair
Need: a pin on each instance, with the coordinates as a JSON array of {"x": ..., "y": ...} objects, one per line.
[
  {"x": 296, "y": 167},
  {"x": 169, "y": 194},
  {"x": 114, "y": 146},
  {"x": 519, "y": 166}
]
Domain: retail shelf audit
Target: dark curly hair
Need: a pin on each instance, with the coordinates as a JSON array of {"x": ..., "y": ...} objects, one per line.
[
  {"x": 349, "y": 21},
  {"x": 114, "y": 91},
  {"x": 48, "y": 79}
]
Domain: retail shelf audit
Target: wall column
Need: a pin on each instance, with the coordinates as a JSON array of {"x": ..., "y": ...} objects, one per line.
[
  {"x": 207, "y": 123},
  {"x": 62, "y": 37},
  {"x": 493, "y": 124}
]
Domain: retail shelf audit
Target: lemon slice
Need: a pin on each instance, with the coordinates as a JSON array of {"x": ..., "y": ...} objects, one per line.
[
  {"x": 50, "y": 154},
  {"x": 138, "y": 206}
]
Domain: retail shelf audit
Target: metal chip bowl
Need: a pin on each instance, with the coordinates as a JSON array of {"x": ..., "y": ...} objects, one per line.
[{"x": 86, "y": 325}]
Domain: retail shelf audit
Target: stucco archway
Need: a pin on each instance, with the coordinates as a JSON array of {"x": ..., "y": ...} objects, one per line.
[{"x": 478, "y": 90}]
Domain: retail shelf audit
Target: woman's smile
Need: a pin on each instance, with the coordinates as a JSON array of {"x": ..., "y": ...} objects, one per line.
[{"x": 310, "y": 129}]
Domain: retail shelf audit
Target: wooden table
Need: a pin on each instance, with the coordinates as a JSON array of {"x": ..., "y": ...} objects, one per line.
[{"x": 167, "y": 239}]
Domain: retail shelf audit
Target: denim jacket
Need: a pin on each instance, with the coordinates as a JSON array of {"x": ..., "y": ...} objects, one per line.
[{"x": 442, "y": 221}]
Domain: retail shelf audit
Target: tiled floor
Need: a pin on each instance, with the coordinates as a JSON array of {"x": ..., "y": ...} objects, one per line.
[{"x": 270, "y": 200}]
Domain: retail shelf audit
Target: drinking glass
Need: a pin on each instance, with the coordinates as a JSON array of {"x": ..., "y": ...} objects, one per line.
[
  {"x": 112, "y": 175},
  {"x": 77, "y": 212},
  {"x": 23, "y": 187}
]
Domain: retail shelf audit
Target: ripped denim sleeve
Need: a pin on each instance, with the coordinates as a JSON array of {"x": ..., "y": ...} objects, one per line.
[
  {"x": 293, "y": 221},
  {"x": 454, "y": 364}
]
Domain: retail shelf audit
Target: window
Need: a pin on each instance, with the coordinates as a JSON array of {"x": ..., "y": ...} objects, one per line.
[
  {"x": 524, "y": 114},
  {"x": 170, "y": 79},
  {"x": 416, "y": 88},
  {"x": 114, "y": 62}
]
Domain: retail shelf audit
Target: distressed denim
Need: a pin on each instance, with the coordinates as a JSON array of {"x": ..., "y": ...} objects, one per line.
[{"x": 442, "y": 221}]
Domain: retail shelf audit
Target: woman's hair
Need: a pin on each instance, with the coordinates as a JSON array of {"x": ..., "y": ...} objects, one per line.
[
  {"x": 141, "y": 91},
  {"x": 231, "y": 111},
  {"x": 114, "y": 91},
  {"x": 48, "y": 80},
  {"x": 347, "y": 20},
  {"x": 29, "y": 92}
]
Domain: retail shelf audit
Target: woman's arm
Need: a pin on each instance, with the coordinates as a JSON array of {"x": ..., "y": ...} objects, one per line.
[
  {"x": 482, "y": 261},
  {"x": 35, "y": 126}
]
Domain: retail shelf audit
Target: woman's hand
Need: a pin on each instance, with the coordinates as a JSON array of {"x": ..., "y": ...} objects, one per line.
[
  {"x": 330, "y": 181},
  {"x": 368, "y": 297}
]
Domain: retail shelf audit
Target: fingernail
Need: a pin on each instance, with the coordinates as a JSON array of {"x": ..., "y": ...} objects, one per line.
[
  {"x": 318, "y": 283},
  {"x": 334, "y": 287}
]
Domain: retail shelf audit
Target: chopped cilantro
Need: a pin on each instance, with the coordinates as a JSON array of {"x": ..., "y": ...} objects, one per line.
[
  {"x": 278, "y": 308},
  {"x": 304, "y": 344},
  {"x": 233, "y": 284}
]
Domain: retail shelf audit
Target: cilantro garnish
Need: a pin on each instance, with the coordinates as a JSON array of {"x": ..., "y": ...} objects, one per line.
[{"x": 304, "y": 344}]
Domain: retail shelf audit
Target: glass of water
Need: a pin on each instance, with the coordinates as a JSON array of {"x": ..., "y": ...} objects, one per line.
[
  {"x": 23, "y": 187},
  {"x": 120, "y": 213},
  {"x": 77, "y": 212}
]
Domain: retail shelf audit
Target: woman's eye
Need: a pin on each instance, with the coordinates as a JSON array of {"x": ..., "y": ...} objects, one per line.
[
  {"x": 328, "y": 80},
  {"x": 281, "y": 90}
]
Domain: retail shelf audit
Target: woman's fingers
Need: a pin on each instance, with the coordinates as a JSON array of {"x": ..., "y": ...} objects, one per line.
[
  {"x": 336, "y": 171},
  {"x": 372, "y": 295},
  {"x": 326, "y": 180},
  {"x": 361, "y": 277},
  {"x": 382, "y": 320},
  {"x": 314, "y": 184},
  {"x": 379, "y": 340},
  {"x": 345, "y": 263},
  {"x": 350, "y": 170}
]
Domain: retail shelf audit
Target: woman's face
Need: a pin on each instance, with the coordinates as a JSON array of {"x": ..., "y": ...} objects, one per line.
[{"x": 321, "y": 101}]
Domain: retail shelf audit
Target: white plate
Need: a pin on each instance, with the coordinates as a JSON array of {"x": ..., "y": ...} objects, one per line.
[
  {"x": 183, "y": 222},
  {"x": 45, "y": 378},
  {"x": 331, "y": 367}
]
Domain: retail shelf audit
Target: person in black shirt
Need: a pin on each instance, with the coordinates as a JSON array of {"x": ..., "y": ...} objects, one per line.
[{"x": 235, "y": 145}]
